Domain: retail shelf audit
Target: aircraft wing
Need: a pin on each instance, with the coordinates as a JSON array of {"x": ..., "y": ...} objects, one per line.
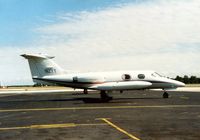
[{"x": 125, "y": 85}]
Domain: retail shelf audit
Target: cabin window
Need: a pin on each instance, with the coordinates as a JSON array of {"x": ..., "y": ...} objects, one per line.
[
  {"x": 141, "y": 76},
  {"x": 126, "y": 77}
]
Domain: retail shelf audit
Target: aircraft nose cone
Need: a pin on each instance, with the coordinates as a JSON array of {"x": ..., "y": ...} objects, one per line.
[{"x": 180, "y": 84}]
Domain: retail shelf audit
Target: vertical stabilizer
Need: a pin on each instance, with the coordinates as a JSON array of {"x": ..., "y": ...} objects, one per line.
[{"x": 42, "y": 65}]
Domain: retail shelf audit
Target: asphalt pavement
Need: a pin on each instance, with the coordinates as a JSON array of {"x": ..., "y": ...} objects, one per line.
[{"x": 143, "y": 115}]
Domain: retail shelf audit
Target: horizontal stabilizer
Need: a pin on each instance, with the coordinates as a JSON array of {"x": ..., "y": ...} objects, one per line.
[{"x": 41, "y": 56}]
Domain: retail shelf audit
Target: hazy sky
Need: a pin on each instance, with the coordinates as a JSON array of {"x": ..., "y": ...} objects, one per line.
[{"x": 100, "y": 35}]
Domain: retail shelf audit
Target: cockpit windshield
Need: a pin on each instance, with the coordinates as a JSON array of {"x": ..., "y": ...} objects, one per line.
[{"x": 155, "y": 74}]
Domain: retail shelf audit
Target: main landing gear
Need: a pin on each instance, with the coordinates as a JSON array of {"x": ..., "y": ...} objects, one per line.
[
  {"x": 85, "y": 91},
  {"x": 104, "y": 96},
  {"x": 165, "y": 95}
]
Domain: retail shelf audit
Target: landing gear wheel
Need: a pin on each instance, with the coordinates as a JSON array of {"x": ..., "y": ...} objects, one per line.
[
  {"x": 165, "y": 95},
  {"x": 105, "y": 97},
  {"x": 85, "y": 91}
]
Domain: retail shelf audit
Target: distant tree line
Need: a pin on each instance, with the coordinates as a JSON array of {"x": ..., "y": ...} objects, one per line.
[{"x": 188, "y": 80}]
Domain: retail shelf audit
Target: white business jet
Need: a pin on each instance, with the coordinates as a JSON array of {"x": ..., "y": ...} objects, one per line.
[{"x": 45, "y": 71}]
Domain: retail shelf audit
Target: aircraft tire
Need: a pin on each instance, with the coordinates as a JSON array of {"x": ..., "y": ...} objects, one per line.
[
  {"x": 165, "y": 95},
  {"x": 85, "y": 91}
]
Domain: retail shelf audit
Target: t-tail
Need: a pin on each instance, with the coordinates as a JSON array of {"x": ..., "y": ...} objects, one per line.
[{"x": 42, "y": 65}]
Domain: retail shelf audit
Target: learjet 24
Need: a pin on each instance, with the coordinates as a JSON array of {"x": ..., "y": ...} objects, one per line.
[{"x": 45, "y": 71}]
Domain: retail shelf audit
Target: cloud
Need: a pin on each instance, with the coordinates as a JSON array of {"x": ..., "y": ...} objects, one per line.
[
  {"x": 158, "y": 35},
  {"x": 152, "y": 32}
]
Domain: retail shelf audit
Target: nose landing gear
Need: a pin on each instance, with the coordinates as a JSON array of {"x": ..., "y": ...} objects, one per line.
[{"x": 165, "y": 95}]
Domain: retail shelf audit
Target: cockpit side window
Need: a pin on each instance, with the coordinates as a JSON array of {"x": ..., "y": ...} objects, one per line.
[
  {"x": 155, "y": 74},
  {"x": 141, "y": 76}
]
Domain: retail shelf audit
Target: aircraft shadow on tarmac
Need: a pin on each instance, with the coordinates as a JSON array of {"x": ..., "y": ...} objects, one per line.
[
  {"x": 116, "y": 100},
  {"x": 84, "y": 99}
]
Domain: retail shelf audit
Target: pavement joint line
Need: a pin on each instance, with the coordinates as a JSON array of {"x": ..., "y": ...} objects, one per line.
[
  {"x": 99, "y": 107},
  {"x": 49, "y": 126},
  {"x": 119, "y": 129}
]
